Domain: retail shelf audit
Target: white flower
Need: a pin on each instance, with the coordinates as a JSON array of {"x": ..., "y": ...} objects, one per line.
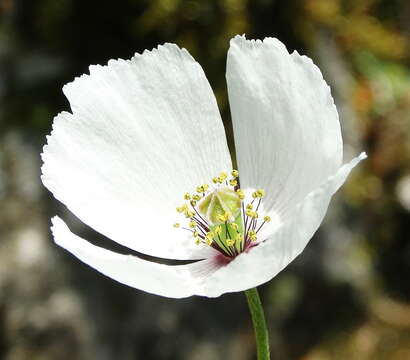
[{"x": 144, "y": 132}]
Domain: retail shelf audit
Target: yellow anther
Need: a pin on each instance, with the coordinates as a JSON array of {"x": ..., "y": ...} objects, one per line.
[
  {"x": 221, "y": 218},
  {"x": 235, "y": 173},
  {"x": 203, "y": 188},
  {"x": 215, "y": 180},
  {"x": 241, "y": 194},
  {"x": 260, "y": 193},
  {"x": 226, "y": 216},
  {"x": 187, "y": 196},
  {"x": 195, "y": 234},
  {"x": 266, "y": 219},
  {"x": 233, "y": 182},
  {"x": 182, "y": 208},
  {"x": 252, "y": 214},
  {"x": 192, "y": 224},
  {"x": 234, "y": 226},
  {"x": 218, "y": 230},
  {"x": 197, "y": 240},
  {"x": 196, "y": 197},
  {"x": 193, "y": 203},
  {"x": 223, "y": 175},
  {"x": 189, "y": 214},
  {"x": 249, "y": 207},
  {"x": 252, "y": 235},
  {"x": 177, "y": 225},
  {"x": 230, "y": 242},
  {"x": 210, "y": 235},
  {"x": 238, "y": 238}
]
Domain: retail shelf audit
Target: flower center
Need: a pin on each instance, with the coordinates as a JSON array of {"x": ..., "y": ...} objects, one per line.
[{"x": 218, "y": 216}]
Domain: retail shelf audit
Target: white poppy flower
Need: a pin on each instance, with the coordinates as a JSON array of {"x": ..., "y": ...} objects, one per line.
[{"x": 145, "y": 133}]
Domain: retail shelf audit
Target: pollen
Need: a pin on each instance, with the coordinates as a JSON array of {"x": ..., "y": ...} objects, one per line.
[
  {"x": 260, "y": 193},
  {"x": 230, "y": 242},
  {"x": 252, "y": 214},
  {"x": 182, "y": 208},
  {"x": 189, "y": 214},
  {"x": 252, "y": 235},
  {"x": 223, "y": 176},
  {"x": 202, "y": 189},
  {"x": 241, "y": 194},
  {"x": 217, "y": 215},
  {"x": 218, "y": 230},
  {"x": 233, "y": 182}
]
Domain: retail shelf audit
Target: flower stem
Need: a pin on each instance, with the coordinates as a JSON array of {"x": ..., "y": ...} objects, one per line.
[{"x": 259, "y": 324}]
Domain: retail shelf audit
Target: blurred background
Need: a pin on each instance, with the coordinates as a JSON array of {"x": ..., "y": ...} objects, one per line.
[{"x": 346, "y": 297}]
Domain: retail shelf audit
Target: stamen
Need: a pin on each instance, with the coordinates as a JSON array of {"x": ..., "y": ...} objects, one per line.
[
  {"x": 233, "y": 182},
  {"x": 218, "y": 216}
]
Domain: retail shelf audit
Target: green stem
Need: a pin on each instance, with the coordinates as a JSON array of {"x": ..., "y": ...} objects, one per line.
[{"x": 259, "y": 324}]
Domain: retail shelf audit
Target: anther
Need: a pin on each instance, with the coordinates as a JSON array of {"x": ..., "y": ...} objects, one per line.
[
  {"x": 233, "y": 182},
  {"x": 235, "y": 173},
  {"x": 260, "y": 193},
  {"x": 241, "y": 194},
  {"x": 230, "y": 242}
]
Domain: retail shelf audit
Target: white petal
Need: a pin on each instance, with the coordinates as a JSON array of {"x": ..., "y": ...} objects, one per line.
[
  {"x": 267, "y": 259},
  {"x": 286, "y": 126},
  {"x": 171, "y": 281},
  {"x": 142, "y": 133}
]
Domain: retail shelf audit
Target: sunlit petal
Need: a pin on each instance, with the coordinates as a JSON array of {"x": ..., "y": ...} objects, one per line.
[
  {"x": 266, "y": 260},
  {"x": 142, "y": 133},
  {"x": 171, "y": 281},
  {"x": 286, "y": 126}
]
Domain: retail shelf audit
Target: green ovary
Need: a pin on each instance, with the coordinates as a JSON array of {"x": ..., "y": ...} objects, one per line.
[{"x": 222, "y": 209}]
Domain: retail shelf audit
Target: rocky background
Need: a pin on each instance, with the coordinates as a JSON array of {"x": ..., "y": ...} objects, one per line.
[{"x": 346, "y": 297}]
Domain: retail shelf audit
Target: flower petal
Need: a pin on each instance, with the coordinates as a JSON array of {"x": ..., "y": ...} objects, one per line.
[
  {"x": 171, "y": 281},
  {"x": 142, "y": 133},
  {"x": 286, "y": 127},
  {"x": 267, "y": 259}
]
